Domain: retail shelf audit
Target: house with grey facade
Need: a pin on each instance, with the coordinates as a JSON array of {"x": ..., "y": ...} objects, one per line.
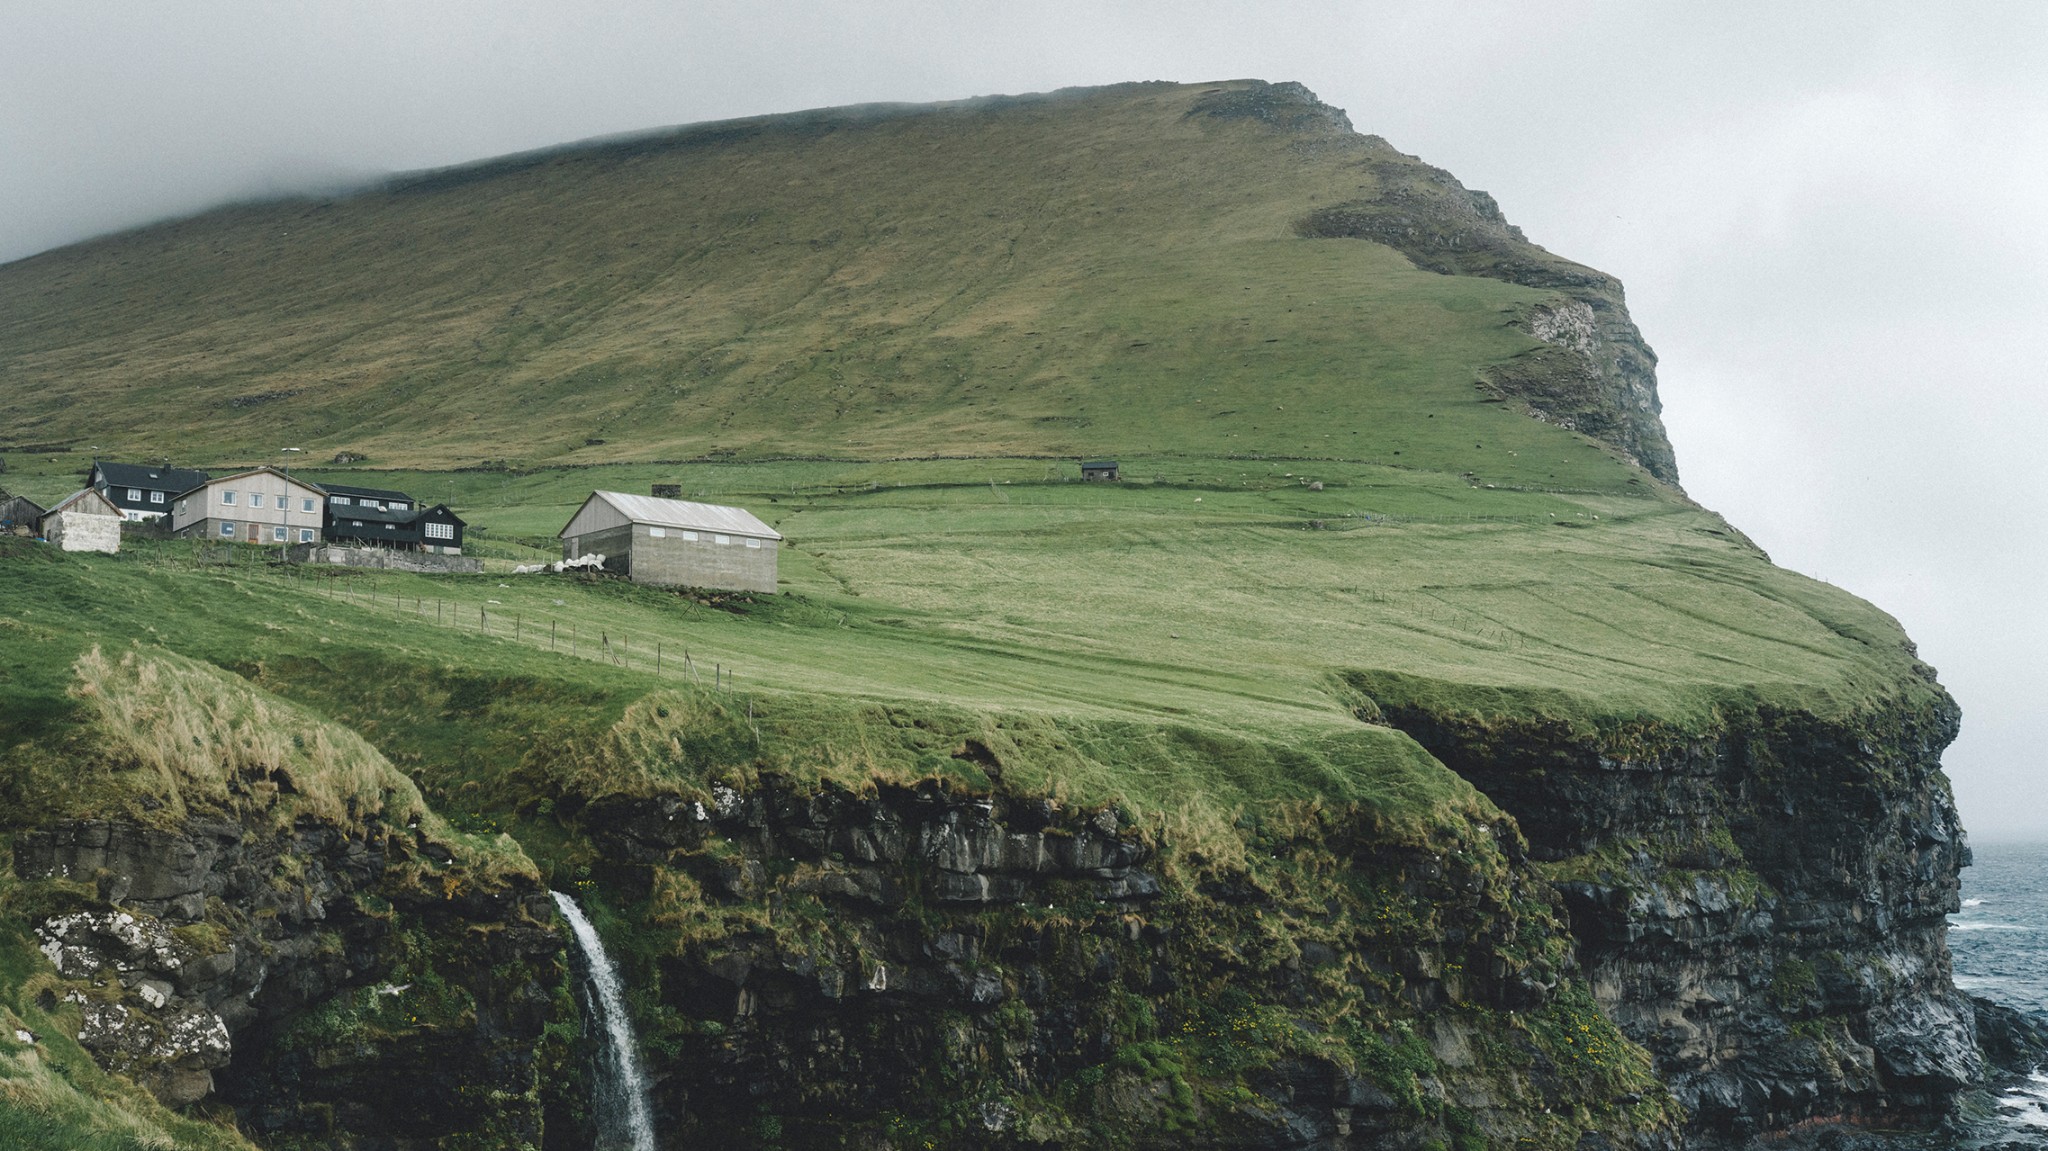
[
  {"x": 259, "y": 506},
  {"x": 674, "y": 543}
]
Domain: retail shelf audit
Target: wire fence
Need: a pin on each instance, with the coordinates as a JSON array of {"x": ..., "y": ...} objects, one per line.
[{"x": 611, "y": 643}]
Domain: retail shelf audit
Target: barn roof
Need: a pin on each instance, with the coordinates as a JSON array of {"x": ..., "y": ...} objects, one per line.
[
  {"x": 685, "y": 514},
  {"x": 90, "y": 496}
]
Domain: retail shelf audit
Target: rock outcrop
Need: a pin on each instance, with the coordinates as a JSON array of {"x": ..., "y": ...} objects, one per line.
[
  {"x": 924, "y": 964},
  {"x": 219, "y": 957},
  {"x": 1595, "y": 374},
  {"x": 1763, "y": 908}
]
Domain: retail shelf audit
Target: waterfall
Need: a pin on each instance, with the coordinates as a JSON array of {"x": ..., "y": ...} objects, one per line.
[{"x": 624, "y": 1122}]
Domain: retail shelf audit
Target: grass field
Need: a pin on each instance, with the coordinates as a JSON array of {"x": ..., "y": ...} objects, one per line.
[{"x": 1224, "y": 593}]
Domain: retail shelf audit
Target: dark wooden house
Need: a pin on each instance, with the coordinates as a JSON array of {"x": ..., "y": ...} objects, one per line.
[
  {"x": 20, "y": 515},
  {"x": 1100, "y": 470},
  {"x": 142, "y": 491},
  {"x": 381, "y": 517}
]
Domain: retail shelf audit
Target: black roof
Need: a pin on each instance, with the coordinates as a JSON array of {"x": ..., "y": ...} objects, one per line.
[
  {"x": 150, "y": 476},
  {"x": 1091, "y": 465},
  {"x": 364, "y": 493},
  {"x": 442, "y": 512}
]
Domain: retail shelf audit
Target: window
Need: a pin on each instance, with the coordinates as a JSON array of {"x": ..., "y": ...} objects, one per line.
[
  {"x": 657, "y": 533},
  {"x": 305, "y": 535},
  {"x": 181, "y": 507},
  {"x": 227, "y": 531},
  {"x": 440, "y": 531},
  {"x": 255, "y": 499},
  {"x": 390, "y": 527},
  {"x": 306, "y": 505},
  {"x": 720, "y": 538},
  {"x": 339, "y": 500},
  {"x": 690, "y": 536},
  {"x": 227, "y": 497},
  {"x": 134, "y": 493},
  {"x": 277, "y": 534},
  {"x": 752, "y": 542},
  {"x": 355, "y": 523},
  {"x": 399, "y": 505},
  {"x": 156, "y": 497}
]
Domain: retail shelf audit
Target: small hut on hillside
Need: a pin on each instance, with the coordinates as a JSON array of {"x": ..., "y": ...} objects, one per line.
[
  {"x": 19, "y": 515},
  {"x": 84, "y": 521}
]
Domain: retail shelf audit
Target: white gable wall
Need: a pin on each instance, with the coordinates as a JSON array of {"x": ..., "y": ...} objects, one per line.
[{"x": 596, "y": 515}]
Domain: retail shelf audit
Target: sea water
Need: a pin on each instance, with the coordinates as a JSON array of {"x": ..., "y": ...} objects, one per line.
[{"x": 2000, "y": 943}]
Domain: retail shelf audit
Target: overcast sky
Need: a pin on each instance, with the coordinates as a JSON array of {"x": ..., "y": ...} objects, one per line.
[{"x": 1832, "y": 220}]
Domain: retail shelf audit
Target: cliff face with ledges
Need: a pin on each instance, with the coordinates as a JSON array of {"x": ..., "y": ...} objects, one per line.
[{"x": 1762, "y": 906}]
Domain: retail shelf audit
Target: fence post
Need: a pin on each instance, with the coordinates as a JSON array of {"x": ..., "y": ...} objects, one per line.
[
  {"x": 657, "y": 656},
  {"x": 551, "y": 635}
]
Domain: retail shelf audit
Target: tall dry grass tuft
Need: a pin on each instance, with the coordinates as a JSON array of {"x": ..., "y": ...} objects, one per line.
[
  {"x": 208, "y": 741},
  {"x": 214, "y": 742}
]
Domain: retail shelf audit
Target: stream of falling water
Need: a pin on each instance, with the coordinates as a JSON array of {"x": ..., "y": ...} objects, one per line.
[{"x": 624, "y": 1121}]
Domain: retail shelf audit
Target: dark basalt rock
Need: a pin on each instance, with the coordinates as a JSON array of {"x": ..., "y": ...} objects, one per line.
[
  {"x": 1764, "y": 910},
  {"x": 208, "y": 946}
]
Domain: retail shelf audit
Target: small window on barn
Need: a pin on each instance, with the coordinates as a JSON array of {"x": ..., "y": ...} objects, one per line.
[
  {"x": 134, "y": 493},
  {"x": 752, "y": 542},
  {"x": 305, "y": 535},
  {"x": 277, "y": 534},
  {"x": 720, "y": 538},
  {"x": 227, "y": 531},
  {"x": 226, "y": 496},
  {"x": 690, "y": 536},
  {"x": 658, "y": 533},
  {"x": 156, "y": 497}
]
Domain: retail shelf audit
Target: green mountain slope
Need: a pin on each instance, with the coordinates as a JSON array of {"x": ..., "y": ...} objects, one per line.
[{"x": 1125, "y": 270}]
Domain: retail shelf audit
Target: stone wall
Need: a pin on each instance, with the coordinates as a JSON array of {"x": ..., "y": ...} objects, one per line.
[
  {"x": 431, "y": 563},
  {"x": 671, "y": 560},
  {"x": 77, "y": 531}
]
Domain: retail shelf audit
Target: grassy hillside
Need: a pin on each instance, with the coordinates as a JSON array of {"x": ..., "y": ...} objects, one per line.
[
  {"x": 1111, "y": 271},
  {"x": 887, "y": 330}
]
